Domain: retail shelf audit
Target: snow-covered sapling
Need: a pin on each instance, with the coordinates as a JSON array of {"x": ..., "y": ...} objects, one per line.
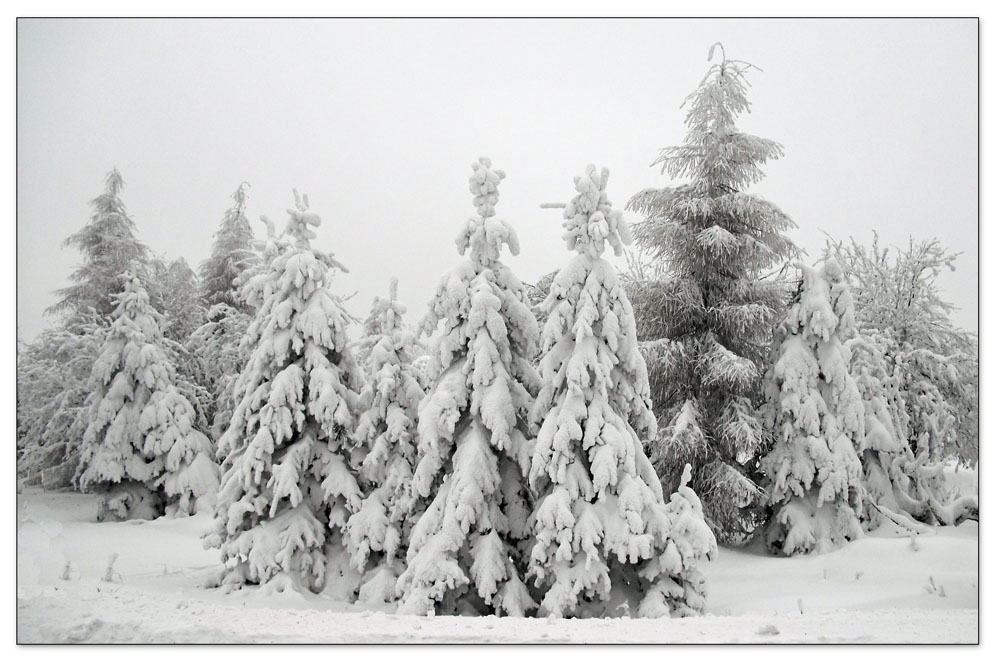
[
  {"x": 816, "y": 413},
  {"x": 386, "y": 426}
]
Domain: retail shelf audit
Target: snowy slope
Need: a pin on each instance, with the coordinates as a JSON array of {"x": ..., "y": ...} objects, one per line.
[{"x": 879, "y": 589}]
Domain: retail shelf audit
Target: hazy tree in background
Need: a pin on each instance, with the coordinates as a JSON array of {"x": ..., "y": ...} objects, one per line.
[
  {"x": 220, "y": 353},
  {"x": 174, "y": 292},
  {"x": 217, "y": 343},
  {"x": 707, "y": 323},
  {"x": 107, "y": 245},
  {"x": 467, "y": 549},
  {"x": 231, "y": 255},
  {"x": 605, "y": 536}
]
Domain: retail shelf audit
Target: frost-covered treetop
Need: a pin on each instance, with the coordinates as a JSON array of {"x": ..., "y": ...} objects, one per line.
[
  {"x": 485, "y": 234},
  {"x": 589, "y": 218},
  {"x": 300, "y": 218},
  {"x": 715, "y": 152}
]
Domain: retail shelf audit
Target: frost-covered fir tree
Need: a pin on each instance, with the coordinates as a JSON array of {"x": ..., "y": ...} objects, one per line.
[
  {"x": 289, "y": 484},
  {"x": 467, "y": 549},
  {"x": 386, "y": 426},
  {"x": 605, "y": 536},
  {"x": 707, "y": 324},
  {"x": 141, "y": 441},
  {"x": 108, "y": 246},
  {"x": 231, "y": 255},
  {"x": 817, "y": 415}
]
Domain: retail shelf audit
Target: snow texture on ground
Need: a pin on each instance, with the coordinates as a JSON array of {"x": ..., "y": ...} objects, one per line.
[{"x": 881, "y": 589}]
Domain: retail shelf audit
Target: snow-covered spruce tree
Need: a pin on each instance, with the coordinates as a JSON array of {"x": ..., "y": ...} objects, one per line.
[
  {"x": 231, "y": 255},
  {"x": 289, "y": 484},
  {"x": 141, "y": 436},
  {"x": 816, "y": 412},
  {"x": 379, "y": 531},
  {"x": 706, "y": 327},
  {"x": 467, "y": 549},
  {"x": 605, "y": 536},
  {"x": 108, "y": 246}
]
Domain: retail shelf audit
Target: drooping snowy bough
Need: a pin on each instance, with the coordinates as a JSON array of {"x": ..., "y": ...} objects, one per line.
[
  {"x": 606, "y": 538},
  {"x": 818, "y": 418},
  {"x": 467, "y": 549},
  {"x": 379, "y": 532},
  {"x": 141, "y": 441},
  {"x": 288, "y": 486}
]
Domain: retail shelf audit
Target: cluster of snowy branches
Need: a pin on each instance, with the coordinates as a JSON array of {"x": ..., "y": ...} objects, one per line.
[{"x": 573, "y": 448}]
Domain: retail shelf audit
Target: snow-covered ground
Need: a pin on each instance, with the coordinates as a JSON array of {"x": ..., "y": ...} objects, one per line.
[{"x": 883, "y": 588}]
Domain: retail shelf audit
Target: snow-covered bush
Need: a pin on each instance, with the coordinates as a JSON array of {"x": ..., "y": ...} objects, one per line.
[
  {"x": 467, "y": 549},
  {"x": 604, "y": 532},
  {"x": 707, "y": 322},
  {"x": 919, "y": 377},
  {"x": 935, "y": 365},
  {"x": 899, "y": 486},
  {"x": 141, "y": 436},
  {"x": 289, "y": 484},
  {"x": 386, "y": 426},
  {"x": 817, "y": 415}
]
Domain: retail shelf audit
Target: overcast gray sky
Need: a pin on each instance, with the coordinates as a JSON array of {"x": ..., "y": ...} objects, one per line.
[{"x": 378, "y": 121}]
